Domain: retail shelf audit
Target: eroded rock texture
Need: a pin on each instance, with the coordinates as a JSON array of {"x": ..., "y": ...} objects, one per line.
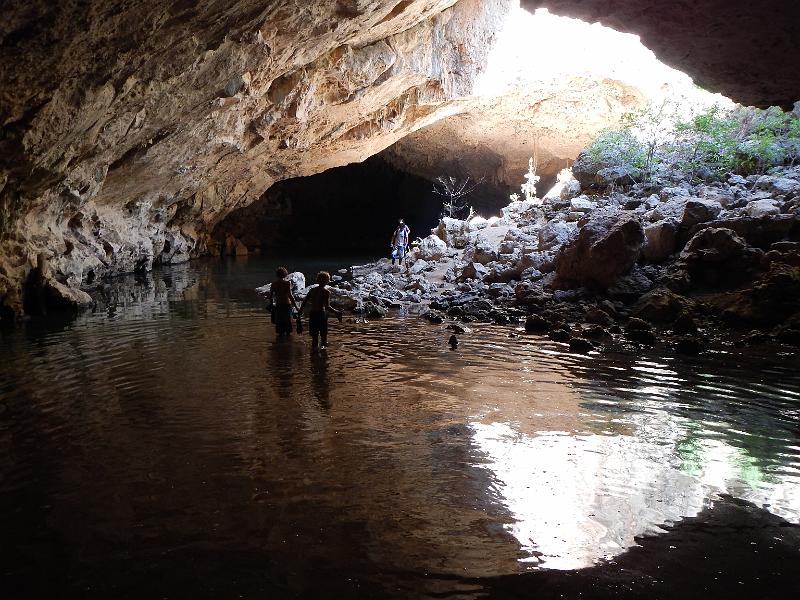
[
  {"x": 493, "y": 138},
  {"x": 745, "y": 50},
  {"x": 131, "y": 128}
]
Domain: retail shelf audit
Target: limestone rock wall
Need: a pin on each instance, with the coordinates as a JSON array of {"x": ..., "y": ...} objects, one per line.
[
  {"x": 130, "y": 128},
  {"x": 494, "y": 137}
]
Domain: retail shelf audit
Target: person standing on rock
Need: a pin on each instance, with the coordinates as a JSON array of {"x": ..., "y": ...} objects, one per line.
[
  {"x": 399, "y": 243},
  {"x": 282, "y": 302},
  {"x": 319, "y": 299}
]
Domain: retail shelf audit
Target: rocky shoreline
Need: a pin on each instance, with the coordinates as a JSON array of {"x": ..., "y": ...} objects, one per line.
[{"x": 593, "y": 266}]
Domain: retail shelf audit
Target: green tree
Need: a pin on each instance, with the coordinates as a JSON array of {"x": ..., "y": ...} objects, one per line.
[{"x": 706, "y": 144}]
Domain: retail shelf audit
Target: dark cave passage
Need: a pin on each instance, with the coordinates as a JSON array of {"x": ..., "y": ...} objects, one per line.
[{"x": 347, "y": 209}]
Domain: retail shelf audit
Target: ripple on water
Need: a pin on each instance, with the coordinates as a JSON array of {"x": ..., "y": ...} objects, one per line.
[{"x": 184, "y": 424}]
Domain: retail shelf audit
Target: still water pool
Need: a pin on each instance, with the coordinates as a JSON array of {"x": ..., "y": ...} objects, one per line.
[{"x": 167, "y": 445}]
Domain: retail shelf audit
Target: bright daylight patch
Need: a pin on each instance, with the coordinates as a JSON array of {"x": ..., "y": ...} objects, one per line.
[{"x": 536, "y": 47}]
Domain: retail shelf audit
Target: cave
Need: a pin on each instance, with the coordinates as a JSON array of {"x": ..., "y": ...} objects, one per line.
[
  {"x": 228, "y": 369},
  {"x": 349, "y": 210},
  {"x": 346, "y": 210}
]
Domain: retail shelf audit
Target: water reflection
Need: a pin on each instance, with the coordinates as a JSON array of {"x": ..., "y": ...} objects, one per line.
[
  {"x": 577, "y": 498},
  {"x": 171, "y": 426}
]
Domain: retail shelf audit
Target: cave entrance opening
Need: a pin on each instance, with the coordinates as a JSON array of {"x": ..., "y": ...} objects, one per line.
[
  {"x": 348, "y": 210},
  {"x": 519, "y": 108}
]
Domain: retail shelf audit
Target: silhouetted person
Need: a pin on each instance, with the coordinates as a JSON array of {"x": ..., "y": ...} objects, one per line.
[
  {"x": 399, "y": 243},
  {"x": 319, "y": 301},
  {"x": 282, "y": 302}
]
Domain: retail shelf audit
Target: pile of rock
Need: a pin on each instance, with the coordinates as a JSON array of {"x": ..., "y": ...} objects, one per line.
[{"x": 665, "y": 260}]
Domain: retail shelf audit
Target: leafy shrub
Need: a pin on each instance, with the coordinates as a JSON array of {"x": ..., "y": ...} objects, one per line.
[
  {"x": 617, "y": 148},
  {"x": 773, "y": 137},
  {"x": 707, "y": 145}
]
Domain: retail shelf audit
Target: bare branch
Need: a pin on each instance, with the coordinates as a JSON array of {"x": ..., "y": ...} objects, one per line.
[{"x": 454, "y": 192}]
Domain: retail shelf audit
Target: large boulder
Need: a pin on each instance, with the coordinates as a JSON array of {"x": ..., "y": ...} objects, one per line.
[
  {"x": 44, "y": 292},
  {"x": 536, "y": 324},
  {"x": 778, "y": 185},
  {"x": 342, "y": 299},
  {"x": 605, "y": 248},
  {"x": 582, "y": 204},
  {"x": 630, "y": 286},
  {"x": 432, "y": 248},
  {"x": 761, "y": 208},
  {"x": 50, "y": 295},
  {"x": 418, "y": 267},
  {"x": 544, "y": 262},
  {"x": 661, "y": 239},
  {"x": 478, "y": 222},
  {"x": 714, "y": 245},
  {"x": 673, "y": 208},
  {"x": 725, "y": 198},
  {"x": 474, "y": 270},
  {"x": 483, "y": 251},
  {"x": 554, "y": 234},
  {"x": 697, "y": 211},
  {"x": 661, "y": 305},
  {"x": 503, "y": 272},
  {"x": 718, "y": 258},
  {"x": 771, "y": 301},
  {"x": 758, "y": 232},
  {"x": 374, "y": 310},
  {"x": 584, "y": 170},
  {"x": 453, "y": 232}
]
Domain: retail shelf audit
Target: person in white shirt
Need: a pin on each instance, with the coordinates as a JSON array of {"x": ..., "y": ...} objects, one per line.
[{"x": 399, "y": 243}]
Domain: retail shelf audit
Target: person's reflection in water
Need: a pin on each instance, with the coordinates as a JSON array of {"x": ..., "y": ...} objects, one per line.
[
  {"x": 320, "y": 380},
  {"x": 286, "y": 377},
  {"x": 281, "y": 364}
]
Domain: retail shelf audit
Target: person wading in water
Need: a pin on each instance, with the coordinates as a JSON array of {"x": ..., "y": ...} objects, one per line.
[
  {"x": 282, "y": 302},
  {"x": 319, "y": 299},
  {"x": 399, "y": 243}
]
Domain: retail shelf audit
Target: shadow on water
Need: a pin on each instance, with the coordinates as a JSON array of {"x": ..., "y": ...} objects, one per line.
[
  {"x": 168, "y": 445},
  {"x": 730, "y": 550}
]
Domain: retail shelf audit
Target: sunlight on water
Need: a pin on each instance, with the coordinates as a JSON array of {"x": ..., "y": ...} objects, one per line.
[
  {"x": 171, "y": 421},
  {"x": 578, "y": 499}
]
